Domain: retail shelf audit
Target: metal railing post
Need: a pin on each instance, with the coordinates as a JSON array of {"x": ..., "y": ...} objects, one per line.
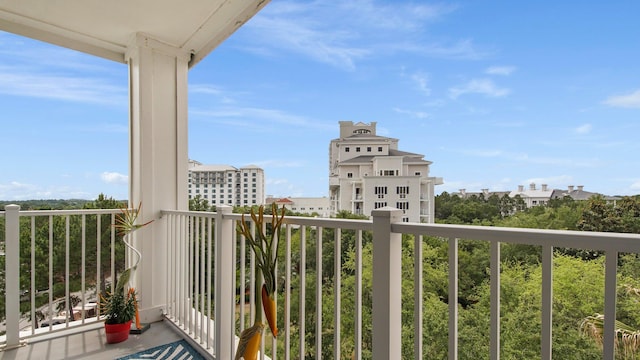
[
  {"x": 387, "y": 288},
  {"x": 12, "y": 276},
  {"x": 225, "y": 294}
]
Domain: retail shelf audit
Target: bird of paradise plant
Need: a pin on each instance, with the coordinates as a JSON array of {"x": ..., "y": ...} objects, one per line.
[
  {"x": 126, "y": 224},
  {"x": 265, "y": 248}
]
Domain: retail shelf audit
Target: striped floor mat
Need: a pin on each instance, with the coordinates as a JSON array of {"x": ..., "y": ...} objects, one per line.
[{"x": 179, "y": 350}]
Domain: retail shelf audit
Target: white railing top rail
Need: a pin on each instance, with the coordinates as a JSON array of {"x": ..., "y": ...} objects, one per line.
[
  {"x": 561, "y": 238},
  {"x": 564, "y": 238},
  {"x": 65, "y": 212},
  {"x": 349, "y": 224}
]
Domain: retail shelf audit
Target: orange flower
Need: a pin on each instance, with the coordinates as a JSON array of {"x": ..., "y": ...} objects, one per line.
[
  {"x": 269, "y": 306},
  {"x": 249, "y": 342}
]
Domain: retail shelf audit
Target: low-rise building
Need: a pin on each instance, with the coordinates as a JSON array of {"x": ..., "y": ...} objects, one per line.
[{"x": 319, "y": 206}]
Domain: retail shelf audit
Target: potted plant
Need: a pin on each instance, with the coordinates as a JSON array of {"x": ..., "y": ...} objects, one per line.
[
  {"x": 119, "y": 310},
  {"x": 120, "y": 307}
]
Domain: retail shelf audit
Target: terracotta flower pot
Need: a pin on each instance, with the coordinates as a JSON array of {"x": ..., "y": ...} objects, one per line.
[{"x": 117, "y": 332}]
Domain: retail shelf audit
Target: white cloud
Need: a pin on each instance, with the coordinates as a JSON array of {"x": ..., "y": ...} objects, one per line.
[
  {"x": 479, "y": 86},
  {"x": 415, "y": 114},
  {"x": 635, "y": 185},
  {"x": 77, "y": 88},
  {"x": 560, "y": 181},
  {"x": 500, "y": 70},
  {"x": 114, "y": 178},
  {"x": 422, "y": 81},
  {"x": 631, "y": 100},
  {"x": 20, "y": 191},
  {"x": 584, "y": 129},
  {"x": 372, "y": 28}
]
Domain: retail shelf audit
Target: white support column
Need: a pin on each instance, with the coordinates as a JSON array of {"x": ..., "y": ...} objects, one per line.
[
  {"x": 225, "y": 292},
  {"x": 158, "y": 157},
  {"x": 387, "y": 289}
]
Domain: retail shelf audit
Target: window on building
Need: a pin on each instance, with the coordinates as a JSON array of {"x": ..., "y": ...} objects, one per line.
[
  {"x": 381, "y": 191},
  {"x": 346, "y": 149},
  {"x": 368, "y": 148},
  {"x": 402, "y": 191},
  {"x": 417, "y": 173},
  {"x": 253, "y": 174},
  {"x": 402, "y": 205},
  {"x": 358, "y": 149},
  {"x": 388, "y": 172},
  {"x": 379, "y": 204},
  {"x": 349, "y": 175},
  {"x": 379, "y": 148}
]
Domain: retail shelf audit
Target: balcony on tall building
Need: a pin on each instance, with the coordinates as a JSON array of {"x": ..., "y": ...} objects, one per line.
[{"x": 200, "y": 301}]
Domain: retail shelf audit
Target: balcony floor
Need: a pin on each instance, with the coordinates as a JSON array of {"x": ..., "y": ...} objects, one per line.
[{"x": 90, "y": 342}]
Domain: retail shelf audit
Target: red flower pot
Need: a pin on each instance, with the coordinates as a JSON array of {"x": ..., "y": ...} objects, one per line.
[{"x": 117, "y": 332}]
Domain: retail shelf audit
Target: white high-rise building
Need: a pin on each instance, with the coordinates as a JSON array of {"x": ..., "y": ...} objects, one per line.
[
  {"x": 367, "y": 171},
  {"x": 227, "y": 185}
]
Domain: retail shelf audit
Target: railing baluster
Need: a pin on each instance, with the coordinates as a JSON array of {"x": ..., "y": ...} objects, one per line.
[
  {"x": 610, "y": 293},
  {"x": 453, "y": 298},
  {"x": 337, "y": 287},
  {"x": 302, "y": 300},
  {"x": 358, "y": 304},
  {"x": 243, "y": 283},
  {"x": 98, "y": 261},
  {"x": 33, "y": 275},
  {"x": 209, "y": 280},
  {"x": 547, "y": 301},
  {"x": 417, "y": 296},
  {"x": 287, "y": 295},
  {"x": 83, "y": 260},
  {"x": 50, "y": 271},
  {"x": 67, "y": 241},
  {"x": 494, "y": 347},
  {"x": 319, "y": 293}
]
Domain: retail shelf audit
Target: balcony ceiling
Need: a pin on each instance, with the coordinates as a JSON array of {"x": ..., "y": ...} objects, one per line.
[{"x": 105, "y": 27}]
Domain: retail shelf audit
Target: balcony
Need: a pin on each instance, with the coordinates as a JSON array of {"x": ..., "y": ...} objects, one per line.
[{"x": 206, "y": 266}]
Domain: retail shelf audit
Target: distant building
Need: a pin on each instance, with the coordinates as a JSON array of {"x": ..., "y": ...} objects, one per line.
[
  {"x": 576, "y": 193},
  {"x": 226, "y": 185},
  {"x": 304, "y": 205},
  {"x": 485, "y": 193},
  {"x": 533, "y": 196},
  {"x": 367, "y": 171}
]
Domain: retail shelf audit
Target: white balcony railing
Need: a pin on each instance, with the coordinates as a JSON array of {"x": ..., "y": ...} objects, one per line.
[
  {"x": 52, "y": 283},
  {"x": 209, "y": 267}
]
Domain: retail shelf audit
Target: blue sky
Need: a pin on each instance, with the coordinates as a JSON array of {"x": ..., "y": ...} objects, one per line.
[{"x": 495, "y": 94}]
